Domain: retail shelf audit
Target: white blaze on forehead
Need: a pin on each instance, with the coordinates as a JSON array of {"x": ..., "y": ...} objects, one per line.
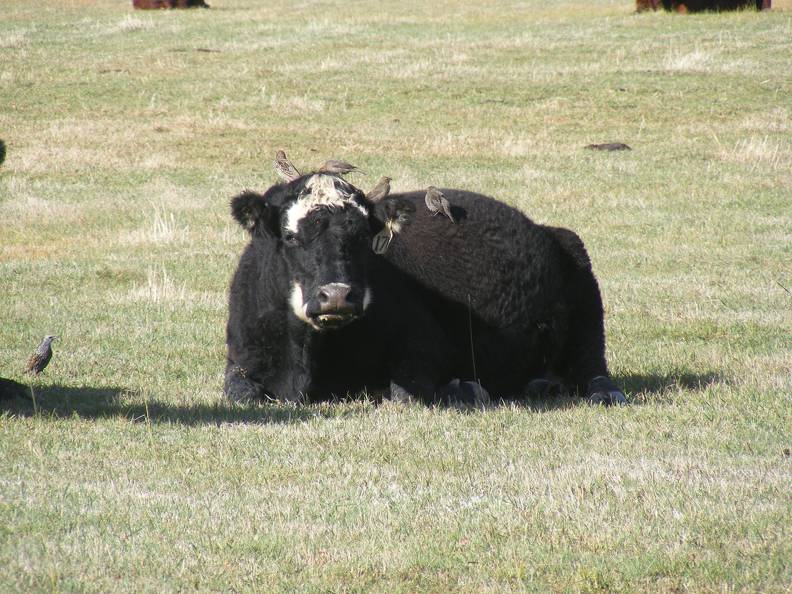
[{"x": 322, "y": 192}]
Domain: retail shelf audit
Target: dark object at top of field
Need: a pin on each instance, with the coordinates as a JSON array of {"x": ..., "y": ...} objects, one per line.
[
  {"x": 2, "y": 152},
  {"x": 41, "y": 356},
  {"x": 609, "y": 146},
  {"x": 157, "y": 4},
  {"x": 686, "y": 6}
]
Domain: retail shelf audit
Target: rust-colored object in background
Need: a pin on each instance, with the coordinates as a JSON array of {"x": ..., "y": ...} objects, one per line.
[
  {"x": 685, "y": 6},
  {"x": 156, "y": 4}
]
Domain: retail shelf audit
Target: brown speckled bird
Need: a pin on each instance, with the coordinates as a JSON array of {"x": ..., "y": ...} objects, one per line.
[
  {"x": 339, "y": 167},
  {"x": 437, "y": 203},
  {"x": 41, "y": 356},
  {"x": 380, "y": 190},
  {"x": 285, "y": 168}
]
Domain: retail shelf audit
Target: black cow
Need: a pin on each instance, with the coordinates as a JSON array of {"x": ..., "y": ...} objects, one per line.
[
  {"x": 313, "y": 312},
  {"x": 519, "y": 301},
  {"x": 491, "y": 297}
]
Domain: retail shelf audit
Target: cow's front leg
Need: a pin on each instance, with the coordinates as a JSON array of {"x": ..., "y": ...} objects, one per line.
[
  {"x": 296, "y": 376},
  {"x": 419, "y": 373},
  {"x": 238, "y": 387},
  {"x": 404, "y": 389}
]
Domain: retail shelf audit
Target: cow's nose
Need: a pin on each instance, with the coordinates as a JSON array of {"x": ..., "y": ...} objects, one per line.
[{"x": 334, "y": 298}]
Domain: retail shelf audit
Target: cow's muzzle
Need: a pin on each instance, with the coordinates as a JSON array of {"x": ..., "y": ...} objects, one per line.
[{"x": 335, "y": 305}]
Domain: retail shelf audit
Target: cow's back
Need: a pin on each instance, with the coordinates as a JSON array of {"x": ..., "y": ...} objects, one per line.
[
  {"x": 495, "y": 268},
  {"x": 493, "y": 256}
]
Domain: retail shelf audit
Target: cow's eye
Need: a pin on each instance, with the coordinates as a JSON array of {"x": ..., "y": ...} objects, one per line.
[{"x": 290, "y": 239}]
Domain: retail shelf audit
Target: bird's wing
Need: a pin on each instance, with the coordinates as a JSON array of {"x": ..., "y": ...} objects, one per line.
[
  {"x": 32, "y": 362},
  {"x": 447, "y": 208}
]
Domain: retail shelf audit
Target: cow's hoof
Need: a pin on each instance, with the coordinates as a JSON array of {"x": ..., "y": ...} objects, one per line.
[
  {"x": 399, "y": 395},
  {"x": 459, "y": 394},
  {"x": 545, "y": 388},
  {"x": 616, "y": 397},
  {"x": 238, "y": 388},
  {"x": 603, "y": 392}
]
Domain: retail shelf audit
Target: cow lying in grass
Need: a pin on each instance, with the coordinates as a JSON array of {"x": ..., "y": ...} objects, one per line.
[
  {"x": 490, "y": 296},
  {"x": 313, "y": 312}
]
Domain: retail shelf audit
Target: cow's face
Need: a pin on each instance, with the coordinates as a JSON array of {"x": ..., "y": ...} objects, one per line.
[
  {"x": 326, "y": 241},
  {"x": 322, "y": 229}
]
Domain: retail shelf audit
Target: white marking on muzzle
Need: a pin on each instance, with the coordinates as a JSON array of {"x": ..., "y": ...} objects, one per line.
[
  {"x": 323, "y": 192},
  {"x": 298, "y": 305},
  {"x": 368, "y": 297}
]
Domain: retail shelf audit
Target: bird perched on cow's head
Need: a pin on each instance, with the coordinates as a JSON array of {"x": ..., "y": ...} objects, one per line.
[
  {"x": 380, "y": 190},
  {"x": 320, "y": 227},
  {"x": 339, "y": 167}
]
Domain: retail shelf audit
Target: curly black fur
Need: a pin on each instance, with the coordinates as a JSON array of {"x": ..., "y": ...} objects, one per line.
[
  {"x": 272, "y": 353},
  {"x": 526, "y": 292},
  {"x": 491, "y": 296}
]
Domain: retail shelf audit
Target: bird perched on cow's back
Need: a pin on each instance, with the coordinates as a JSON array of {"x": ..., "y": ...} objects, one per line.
[
  {"x": 41, "y": 356},
  {"x": 437, "y": 203},
  {"x": 380, "y": 190},
  {"x": 285, "y": 168},
  {"x": 338, "y": 167}
]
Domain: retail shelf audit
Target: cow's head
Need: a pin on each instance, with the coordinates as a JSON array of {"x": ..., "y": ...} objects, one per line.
[{"x": 321, "y": 226}]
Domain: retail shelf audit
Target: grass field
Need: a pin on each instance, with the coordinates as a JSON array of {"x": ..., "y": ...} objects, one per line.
[{"x": 127, "y": 133}]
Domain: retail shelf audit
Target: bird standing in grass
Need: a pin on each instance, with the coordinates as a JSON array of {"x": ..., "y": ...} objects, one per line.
[
  {"x": 436, "y": 203},
  {"x": 41, "y": 356}
]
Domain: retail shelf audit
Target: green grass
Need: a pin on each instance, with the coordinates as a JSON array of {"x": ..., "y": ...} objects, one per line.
[{"x": 125, "y": 142}]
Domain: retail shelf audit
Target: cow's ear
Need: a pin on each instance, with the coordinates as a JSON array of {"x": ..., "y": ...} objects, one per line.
[
  {"x": 255, "y": 213},
  {"x": 393, "y": 213}
]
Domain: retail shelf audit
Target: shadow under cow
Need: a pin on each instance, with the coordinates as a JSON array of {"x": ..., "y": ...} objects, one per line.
[{"x": 108, "y": 402}]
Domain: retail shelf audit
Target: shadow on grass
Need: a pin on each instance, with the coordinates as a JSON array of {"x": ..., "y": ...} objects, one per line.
[
  {"x": 102, "y": 403},
  {"x": 656, "y": 384}
]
